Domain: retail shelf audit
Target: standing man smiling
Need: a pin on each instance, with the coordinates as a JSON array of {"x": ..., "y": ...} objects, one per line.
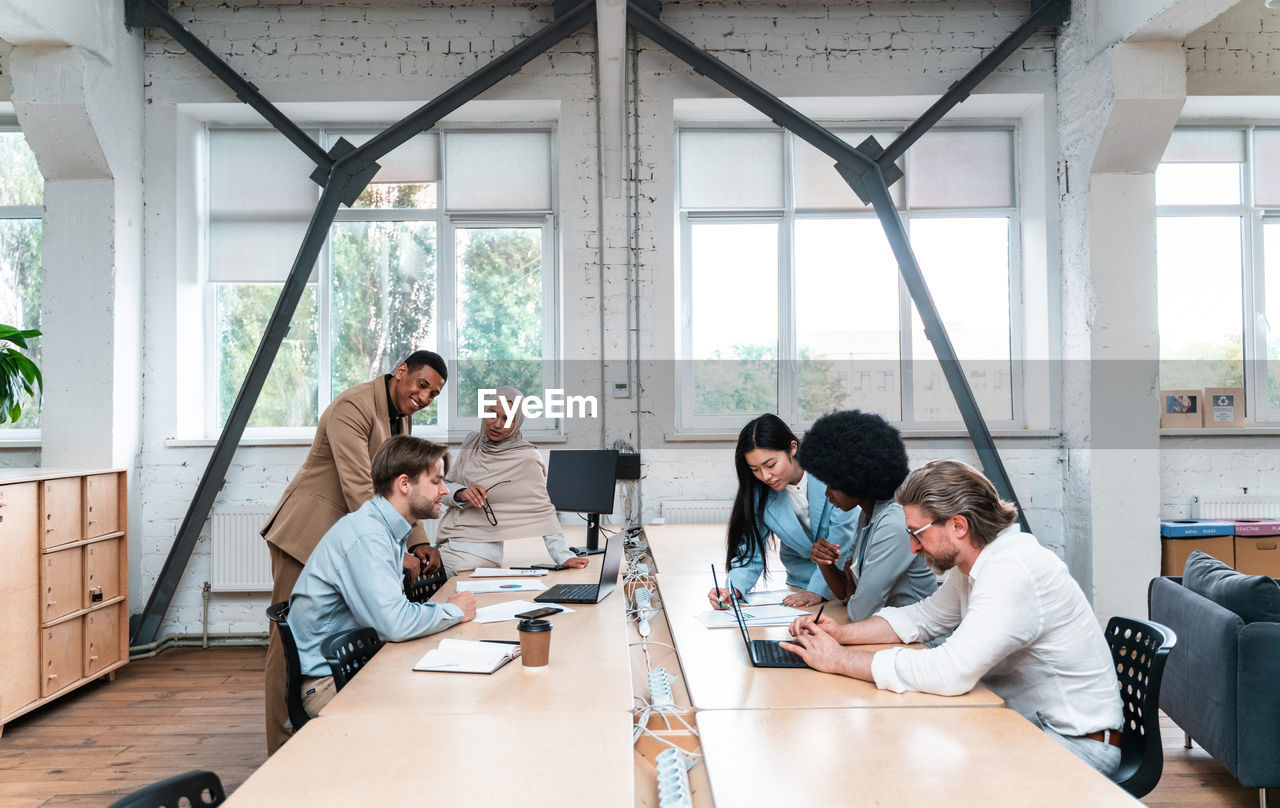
[{"x": 336, "y": 479}]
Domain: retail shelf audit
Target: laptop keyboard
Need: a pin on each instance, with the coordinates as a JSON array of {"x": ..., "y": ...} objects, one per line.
[
  {"x": 770, "y": 652},
  {"x": 574, "y": 590}
]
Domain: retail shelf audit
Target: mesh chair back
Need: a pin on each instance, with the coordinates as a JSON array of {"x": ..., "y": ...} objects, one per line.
[
  {"x": 200, "y": 789},
  {"x": 421, "y": 590},
  {"x": 278, "y": 613},
  {"x": 348, "y": 651},
  {"x": 1139, "y": 649}
]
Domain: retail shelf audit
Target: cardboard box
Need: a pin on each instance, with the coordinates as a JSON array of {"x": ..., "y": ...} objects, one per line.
[
  {"x": 1180, "y": 409},
  {"x": 1174, "y": 552},
  {"x": 1223, "y": 407},
  {"x": 1258, "y": 555}
]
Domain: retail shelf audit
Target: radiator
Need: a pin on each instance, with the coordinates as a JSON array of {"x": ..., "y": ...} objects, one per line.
[
  {"x": 696, "y": 510},
  {"x": 1236, "y": 506},
  {"x": 238, "y": 559}
]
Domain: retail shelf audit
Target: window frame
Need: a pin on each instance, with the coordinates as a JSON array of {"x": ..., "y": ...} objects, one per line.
[
  {"x": 786, "y": 217},
  {"x": 1253, "y": 219},
  {"x": 10, "y": 435},
  {"x": 447, "y": 222}
]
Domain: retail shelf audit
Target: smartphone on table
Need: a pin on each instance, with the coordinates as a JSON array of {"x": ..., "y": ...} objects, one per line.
[{"x": 534, "y": 614}]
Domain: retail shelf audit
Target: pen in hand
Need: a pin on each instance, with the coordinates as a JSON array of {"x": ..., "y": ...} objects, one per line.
[{"x": 818, "y": 616}]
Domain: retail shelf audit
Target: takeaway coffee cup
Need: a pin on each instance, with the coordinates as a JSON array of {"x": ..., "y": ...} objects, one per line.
[{"x": 535, "y": 642}]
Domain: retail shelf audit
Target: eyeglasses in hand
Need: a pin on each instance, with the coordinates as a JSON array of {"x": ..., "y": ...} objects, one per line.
[{"x": 488, "y": 510}]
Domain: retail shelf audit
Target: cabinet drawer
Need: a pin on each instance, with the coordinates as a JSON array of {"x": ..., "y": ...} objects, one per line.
[
  {"x": 19, "y": 597},
  {"x": 63, "y": 511},
  {"x": 102, "y": 506},
  {"x": 62, "y": 652},
  {"x": 101, "y": 638},
  {"x": 101, "y": 571},
  {"x": 61, "y": 583}
]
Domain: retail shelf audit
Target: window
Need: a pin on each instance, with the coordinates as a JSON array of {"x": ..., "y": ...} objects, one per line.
[
  {"x": 791, "y": 296},
  {"x": 1218, "y": 261},
  {"x": 447, "y": 249},
  {"x": 21, "y": 209}
]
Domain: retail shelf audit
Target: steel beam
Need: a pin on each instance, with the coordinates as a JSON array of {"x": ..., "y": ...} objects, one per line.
[
  {"x": 344, "y": 173},
  {"x": 863, "y": 173}
]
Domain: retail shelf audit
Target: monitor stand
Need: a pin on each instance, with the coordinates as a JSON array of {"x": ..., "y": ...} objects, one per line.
[{"x": 593, "y": 537}]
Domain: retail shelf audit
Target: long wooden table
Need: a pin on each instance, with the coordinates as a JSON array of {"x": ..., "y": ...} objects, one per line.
[
  {"x": 719, "y": 674},
  {"x": 418, "y": 758},
  {"x": 910, "y": 756},
  {"x": 589, "y": 668}
]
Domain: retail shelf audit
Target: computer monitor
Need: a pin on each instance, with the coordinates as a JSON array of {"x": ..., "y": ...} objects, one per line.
[{"x": 582, "y": 480}]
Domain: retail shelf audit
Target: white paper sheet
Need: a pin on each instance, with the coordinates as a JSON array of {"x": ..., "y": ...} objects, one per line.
[
  {"x": 489, "y": 586},
  {"x": 751, "y": 615},
  {"x": 508, "y": 610}
]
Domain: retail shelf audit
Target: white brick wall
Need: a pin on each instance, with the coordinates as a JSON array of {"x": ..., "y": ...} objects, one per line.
[{"x": 1238, "y": 53}]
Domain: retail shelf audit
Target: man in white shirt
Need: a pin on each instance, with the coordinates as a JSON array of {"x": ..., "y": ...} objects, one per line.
[{"x": 1018, "y": 621}]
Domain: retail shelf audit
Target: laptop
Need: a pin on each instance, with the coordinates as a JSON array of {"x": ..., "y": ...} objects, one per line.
[
  {"x": 591, "y": 593},
  {"x": 765, "y": 653}
]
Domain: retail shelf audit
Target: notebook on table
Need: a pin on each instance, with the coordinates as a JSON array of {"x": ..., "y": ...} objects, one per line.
[
  {"x": 468, "y": 656},
  {"x": 591, "y": 593}
]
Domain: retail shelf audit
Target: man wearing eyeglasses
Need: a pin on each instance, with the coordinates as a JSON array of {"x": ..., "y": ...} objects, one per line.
[{"x": 1018, "y": 621}]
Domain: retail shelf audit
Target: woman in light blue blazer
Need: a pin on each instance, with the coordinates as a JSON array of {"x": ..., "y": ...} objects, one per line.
[{"x": 776, "y": 496}]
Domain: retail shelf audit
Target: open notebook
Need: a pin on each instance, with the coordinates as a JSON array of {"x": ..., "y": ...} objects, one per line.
[{"x": 468, "y": 656}]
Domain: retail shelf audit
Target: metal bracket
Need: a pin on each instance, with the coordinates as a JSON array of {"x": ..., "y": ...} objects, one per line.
[
  {"x": 857, "y": 174},
  {"x": 356, "y": 182},
  {"x": 1062, "y": 15}
]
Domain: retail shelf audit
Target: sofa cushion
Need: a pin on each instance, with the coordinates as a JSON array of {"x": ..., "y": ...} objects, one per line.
[{"x": 1256, "y": 598}]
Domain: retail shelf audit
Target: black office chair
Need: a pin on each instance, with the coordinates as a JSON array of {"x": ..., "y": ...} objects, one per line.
[
  {"x": 278, "y": 613},
  {"x": 197, "y": 787},
  {"x": 1139, "y": 649},
  {"x": 421, "y": 590},
  {"x": 348, "y": 651}
]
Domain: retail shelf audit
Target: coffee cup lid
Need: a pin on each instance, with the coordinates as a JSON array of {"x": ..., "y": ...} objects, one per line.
[{"x": 534, "y": 625}]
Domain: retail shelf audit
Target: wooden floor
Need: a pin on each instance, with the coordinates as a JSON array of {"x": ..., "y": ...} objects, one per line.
[
  {"x": 185, "y": 709},
  {"x": 202, "y": 709}
]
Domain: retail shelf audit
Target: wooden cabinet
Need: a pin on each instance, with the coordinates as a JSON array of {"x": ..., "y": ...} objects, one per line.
[{"x": 64, "y": 607}]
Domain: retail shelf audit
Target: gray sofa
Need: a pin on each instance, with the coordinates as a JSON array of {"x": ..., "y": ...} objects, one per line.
[{"x": 1221, "y": 683}]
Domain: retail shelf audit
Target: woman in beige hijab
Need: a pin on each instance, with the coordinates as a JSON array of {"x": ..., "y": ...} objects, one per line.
[{"x": 499, "y": 478}]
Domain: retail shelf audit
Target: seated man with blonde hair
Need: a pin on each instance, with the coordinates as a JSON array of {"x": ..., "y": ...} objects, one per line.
[
  {"x": 1018, "y": 621},
  {"x": 353, "y": 577}
]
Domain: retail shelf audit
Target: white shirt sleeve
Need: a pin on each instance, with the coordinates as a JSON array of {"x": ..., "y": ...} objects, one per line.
[{"x": 1002, "y": 617}]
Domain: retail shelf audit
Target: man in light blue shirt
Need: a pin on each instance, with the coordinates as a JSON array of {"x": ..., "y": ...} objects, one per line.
[{"x": 353, "y": 578}]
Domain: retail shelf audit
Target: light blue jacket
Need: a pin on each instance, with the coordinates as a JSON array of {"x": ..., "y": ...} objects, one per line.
[
  {"x": 826, "y": 521},
  {"x": 353, "y": 579}
]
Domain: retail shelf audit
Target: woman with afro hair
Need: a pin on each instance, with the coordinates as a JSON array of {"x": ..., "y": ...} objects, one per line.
[
  {"x": 863, "y": 461},
  {"x": 776, "y": 496}
]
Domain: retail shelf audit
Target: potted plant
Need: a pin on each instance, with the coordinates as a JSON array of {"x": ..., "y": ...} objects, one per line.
[{"x": 17, "y": 372}]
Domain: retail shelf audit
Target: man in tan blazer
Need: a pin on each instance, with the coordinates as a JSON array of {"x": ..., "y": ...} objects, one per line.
[{"x": 335, "y": 480}]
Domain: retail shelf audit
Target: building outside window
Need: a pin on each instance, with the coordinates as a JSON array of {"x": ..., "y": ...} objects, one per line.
[
  {"x": 21, "y": 209},
  {"x": 450, "y": 249},
  {"x": 1218, "y": 259},
  {"x": 791, "y": 300}
]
